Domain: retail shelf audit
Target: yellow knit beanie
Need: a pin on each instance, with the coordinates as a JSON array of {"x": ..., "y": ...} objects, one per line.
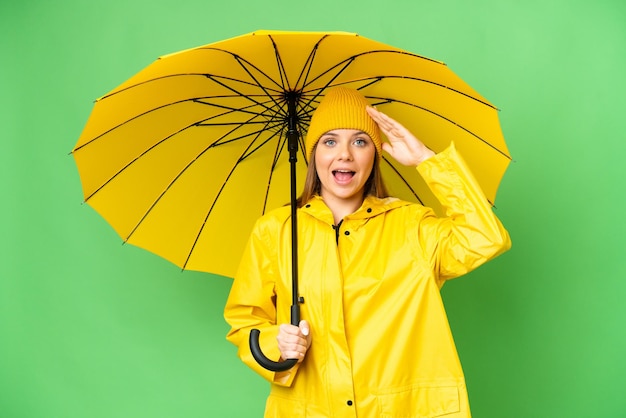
[{"x": 342, "y": 108}]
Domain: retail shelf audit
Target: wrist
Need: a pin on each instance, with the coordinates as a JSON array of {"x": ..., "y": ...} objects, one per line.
[{"x": 425, "y": 156}]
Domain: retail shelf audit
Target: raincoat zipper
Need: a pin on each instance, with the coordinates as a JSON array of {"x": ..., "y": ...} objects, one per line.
[{"x": 336, "y": 228}]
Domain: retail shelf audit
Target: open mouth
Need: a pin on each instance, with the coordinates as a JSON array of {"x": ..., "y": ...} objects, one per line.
[{"x": 343, "y": 175}]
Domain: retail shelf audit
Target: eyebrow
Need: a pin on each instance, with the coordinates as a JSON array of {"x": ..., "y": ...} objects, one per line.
[{"x": 357, "y": 133}]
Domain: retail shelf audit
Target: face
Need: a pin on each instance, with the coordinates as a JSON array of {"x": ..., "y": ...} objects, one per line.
[{"x": 343, "y": 160}]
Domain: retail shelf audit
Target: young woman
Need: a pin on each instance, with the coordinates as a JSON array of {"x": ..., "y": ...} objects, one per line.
[{"x": 374, "y": 340}]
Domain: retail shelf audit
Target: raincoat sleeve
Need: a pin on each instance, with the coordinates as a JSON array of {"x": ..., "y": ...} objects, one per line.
[
  {"x": 470, "y": 234},
  {"x": 251, "y": 303}
]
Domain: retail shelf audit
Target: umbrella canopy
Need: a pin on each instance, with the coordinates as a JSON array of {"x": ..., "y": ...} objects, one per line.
[{"x": 183, "y": 157}]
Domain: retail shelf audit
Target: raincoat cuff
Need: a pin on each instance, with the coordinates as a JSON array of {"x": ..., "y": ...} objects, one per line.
[
  {"x": 449, "y": 153},
  {"x": 286, "y": 378},
  {"x": 445, "y": 172},
  {"x": 444, "y": 163}
]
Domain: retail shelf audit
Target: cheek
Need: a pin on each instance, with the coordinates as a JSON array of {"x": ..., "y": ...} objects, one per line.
[
  {"x": 367, "y": 160},
  {"x": 321, "y": 161},
  {"x": 319, "y": 167}
]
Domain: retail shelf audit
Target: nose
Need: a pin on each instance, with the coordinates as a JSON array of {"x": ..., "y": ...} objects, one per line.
[{"x": 344, "y": 152}]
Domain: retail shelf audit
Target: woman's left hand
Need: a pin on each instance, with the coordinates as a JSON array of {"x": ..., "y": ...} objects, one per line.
[
  {"x": 403, "y": 146},
  {"x": 294, "y": 341}
]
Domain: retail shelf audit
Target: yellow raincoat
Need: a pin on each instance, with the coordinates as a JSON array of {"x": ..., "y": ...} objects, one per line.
[{"x": 381, "y": 343}]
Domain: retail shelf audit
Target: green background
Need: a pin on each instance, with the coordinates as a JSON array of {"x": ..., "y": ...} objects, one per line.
[{"x": 92, "y": 328}]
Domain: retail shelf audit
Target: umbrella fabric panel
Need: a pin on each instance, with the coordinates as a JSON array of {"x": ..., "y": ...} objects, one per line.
[{"x": 242, "y": 203}]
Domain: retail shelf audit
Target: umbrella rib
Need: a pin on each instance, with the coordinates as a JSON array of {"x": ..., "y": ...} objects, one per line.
[
  {"x": 380, "y": 78},
  {"x": 328, "y": 84},
  {"x": 214, "y": 77},
  {"x": 241, "y": 94},
  {"x": 219, "y": 193},
  {"x": 204, "y": 75},
  {"x": 231, "y": 110},
  {"x": 280, "y": 145},
  {"x": 270, "y": 124},
  {"x": 306, "y": 69},
  {"x": 281, "y": 67},
  {"x": 237, "y": 138},
  {"x": 302, "y": 126},
  {"x": 261, "y": 86},
  {"x": 240, "y": 60},
  {"x": 406, "y": 183},
  {"x": 246, "y": 155}
]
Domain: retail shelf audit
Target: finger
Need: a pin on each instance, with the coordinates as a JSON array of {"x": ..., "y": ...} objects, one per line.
[
  {"x": 393, "y": 133},
  {"x": 289, "y": 329},
  {"x": 292, "y": 350},
  {"x": 372, "y": 111},
  {"x": 304, "y": 327},
  {"x": 293, "y": 355},
  {"x": 383, "y": 120},
  {"x": 378, "y": 117},
  {"x": 306, "y": 331},
  {"x": 290, "y": 336},
  {"x": 289, "y": 341}
]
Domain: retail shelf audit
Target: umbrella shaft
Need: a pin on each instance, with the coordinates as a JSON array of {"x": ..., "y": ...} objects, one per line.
[{"x": 292, "y": 145}]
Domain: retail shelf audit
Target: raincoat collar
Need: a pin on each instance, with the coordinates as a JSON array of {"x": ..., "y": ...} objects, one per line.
[{"x": 372, "y": 206}]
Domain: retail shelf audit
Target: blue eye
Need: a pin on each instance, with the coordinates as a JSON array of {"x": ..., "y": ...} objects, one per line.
[
  {"x": 329, "y": 142},
  {"x": 360, "y": 142}
]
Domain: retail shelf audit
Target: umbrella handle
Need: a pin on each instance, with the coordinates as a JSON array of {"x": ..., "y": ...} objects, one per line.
[{"x": 275, "y": 366}]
